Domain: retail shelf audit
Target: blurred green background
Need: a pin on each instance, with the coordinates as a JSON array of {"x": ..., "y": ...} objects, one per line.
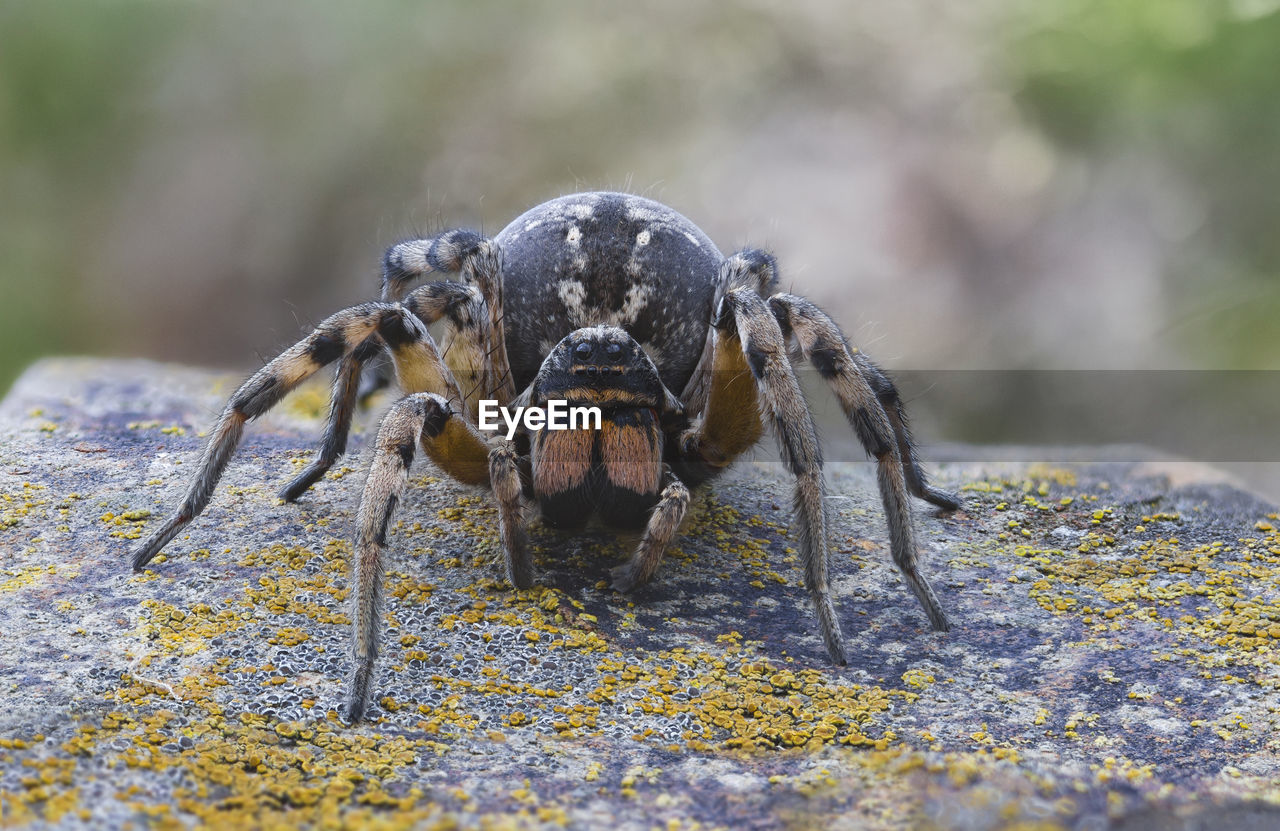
[{"x": 1058, "y": 184}]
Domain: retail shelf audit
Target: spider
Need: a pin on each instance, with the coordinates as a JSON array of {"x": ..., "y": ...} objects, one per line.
[{"x": 604, "y": 300}]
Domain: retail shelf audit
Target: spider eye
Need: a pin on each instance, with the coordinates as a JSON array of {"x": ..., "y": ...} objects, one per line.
[
  {"x": 613, "y": 350},
  {"x": 583, "y": 350}
]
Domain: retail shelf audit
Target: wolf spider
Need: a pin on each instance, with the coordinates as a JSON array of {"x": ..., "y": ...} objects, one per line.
[{"x": 598, "y": 299}]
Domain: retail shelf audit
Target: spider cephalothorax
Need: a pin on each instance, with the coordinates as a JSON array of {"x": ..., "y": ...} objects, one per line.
[
  {"x": 597, "y": 300},
  {"x": 615, "y": 469}
]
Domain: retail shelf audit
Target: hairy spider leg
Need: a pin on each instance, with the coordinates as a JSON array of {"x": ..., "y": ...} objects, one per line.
[
  {"x": 427, "y": 420},
  {"x": 402, "y": 264},
  {"x": 885, "y": 437},
  {"x": 341, "y": 334},
  {"x": 752, "y": 376},
  {"x": 473, "y": 345},
  {"x": 659, "y": 530}
]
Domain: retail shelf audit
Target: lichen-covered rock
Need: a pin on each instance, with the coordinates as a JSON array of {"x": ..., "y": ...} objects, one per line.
[{"x": 1115, "y": 657}]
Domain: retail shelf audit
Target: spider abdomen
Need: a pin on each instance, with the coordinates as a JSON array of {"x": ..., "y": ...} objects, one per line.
[{"x": 607, "y": 259}]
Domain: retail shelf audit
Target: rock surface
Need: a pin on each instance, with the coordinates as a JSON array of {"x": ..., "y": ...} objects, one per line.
[{"x": 1114, "y": 661}]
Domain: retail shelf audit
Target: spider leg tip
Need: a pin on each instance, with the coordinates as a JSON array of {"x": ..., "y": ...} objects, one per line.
[
  {"x": 621, "y": 579},
  {"x": 946, "y": 500}
]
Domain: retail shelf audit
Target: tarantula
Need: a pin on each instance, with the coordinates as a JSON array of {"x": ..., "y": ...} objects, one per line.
[{"x": 604, "y": 300}]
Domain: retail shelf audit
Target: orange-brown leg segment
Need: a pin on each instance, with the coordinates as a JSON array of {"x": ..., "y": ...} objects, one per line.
[
  {"x": 402, "y": 264},
  {"x": 730, "y": 423},
  {"x": 463, "y": 351},
  {"x": 474, "y": 346},
  {"x": 751, "y": 269},
  {"x": 754, "y": 378}
]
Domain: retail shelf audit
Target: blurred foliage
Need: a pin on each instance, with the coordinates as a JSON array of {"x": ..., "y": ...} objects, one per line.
[
  {"x": 197, "y": 181},
  {"x": 63, "y": 133},
  {"x": 1190, "y": 86},
  {"x": 168, "y": 163}
]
